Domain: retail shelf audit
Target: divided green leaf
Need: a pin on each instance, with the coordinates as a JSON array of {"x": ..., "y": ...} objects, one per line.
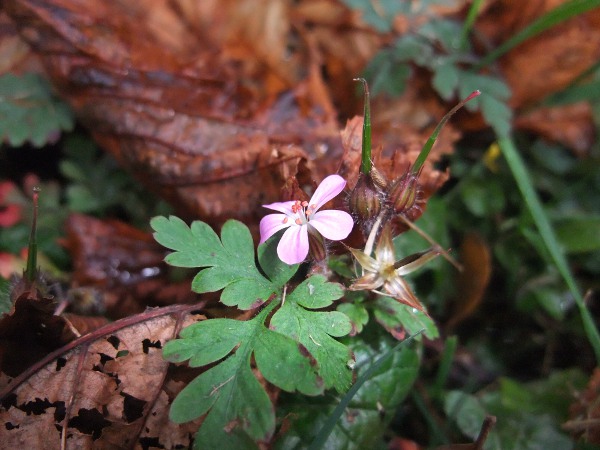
[
  {"x": 294, "y": 351},
  {"x": 229, "y": 262},
  {"x": 399, "y": 318},
  {"x": 315, "y": 329},
  {"x": 229, "y": 393},
  {"x": 29, "y": 111}
]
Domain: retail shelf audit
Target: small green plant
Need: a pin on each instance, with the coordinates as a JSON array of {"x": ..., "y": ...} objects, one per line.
[
  {"x": 437, "y": 45},
  {"x": 29, "y": 112},
  {"x": 291, "y": 338}
]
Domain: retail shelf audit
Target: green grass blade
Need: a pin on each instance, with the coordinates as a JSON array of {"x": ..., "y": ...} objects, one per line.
[
  {"x": 328, "y": 426},
  {"x": 469, "y": 21},
  {"x": 517, "y": 166},
  {"x": 559, "y": 14}
]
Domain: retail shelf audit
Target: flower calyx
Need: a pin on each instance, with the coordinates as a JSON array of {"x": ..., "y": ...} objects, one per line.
[{"x": 383, "y": 275}]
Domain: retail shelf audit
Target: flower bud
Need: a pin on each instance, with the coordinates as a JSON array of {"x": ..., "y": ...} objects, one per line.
[
  {"x": 364, "y": 201},
  {"x": 404, "y": 193}
]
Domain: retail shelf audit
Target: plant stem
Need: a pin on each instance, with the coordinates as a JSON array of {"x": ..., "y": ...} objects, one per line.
[
  {"x": 469, "y": 21},
  {"x": 31, "y": 270},
  {"x": 429, "y": 144}
]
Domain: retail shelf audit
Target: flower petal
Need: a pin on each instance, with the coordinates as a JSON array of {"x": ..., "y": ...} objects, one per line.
[
  {"x": 293, "y": 246},
  {"x": 282, "y": 207},
  {"x": 332, "y": 224},
  {"x": 329, "y": 188},
  {"x": 271, "y": 224}
]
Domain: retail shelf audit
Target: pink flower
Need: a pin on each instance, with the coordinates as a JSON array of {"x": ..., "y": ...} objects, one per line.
[{"x": 301, "y": 218}]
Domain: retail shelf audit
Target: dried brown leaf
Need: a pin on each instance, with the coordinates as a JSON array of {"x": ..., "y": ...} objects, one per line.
[
  {"x": 548, "y": 62},
  {"x": 122, "y": 264},
  {"x": 570, "y": 125},
  {"x": 30, "y": 331},
  {"x": 108, "y": 389}
]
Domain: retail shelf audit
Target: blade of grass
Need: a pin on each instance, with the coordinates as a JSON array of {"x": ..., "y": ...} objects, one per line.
[
  {"x": 517, "y": 167},
  {"x": 327, "y": 427},
  {"x": 469, "y": 21},
  {"x": 559, "y": 14}
]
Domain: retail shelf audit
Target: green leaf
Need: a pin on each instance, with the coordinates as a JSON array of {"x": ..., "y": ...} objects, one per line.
[
  {"x": 230, "y": 261},
  {"x": 517, "y": 166},
  {"x": 528, "y": 415},
  {"x": 358, "y": 315},
  {"x": 482, "y": 198},
  {"x": 397, "y": 318},
  {"x": 315, "y": 329},
  {"x": 29, "y": 111},
  {"x": 195, "y": 246},
  {"x": 497, "y": 113},
  {"x": 316, "y": 292},
  {"x": 380, "y": 18},
  {"x": 368, "y": 412},
  {"x": 285, "y": 364},
  {"x": 446, "y": 32},
  {"x": 207, "y": 341},
  {"x": 238, "y": 408},
  {"x": 467, "y": 411},
  {"x": 579, "y": 234},
  {"x": 445, "y": 80},
  {"x": 276, "y": 270},
  {"x": 386, "y": 75},
  {"x": 411, "y": 48}
]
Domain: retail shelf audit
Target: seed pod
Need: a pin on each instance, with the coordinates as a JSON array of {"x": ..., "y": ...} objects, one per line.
[
  {"x": 364, "y": 201},
  {"x": 405, "y": 193}
]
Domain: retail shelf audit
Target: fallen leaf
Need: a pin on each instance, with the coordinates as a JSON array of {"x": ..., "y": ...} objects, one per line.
[
  {"x": 545, "y": 63},
  {"x": 108, "y": 389},
  {"x": 30, "y": 331},
  {"x": 123, "y": 264},
  {"x": 475, "y": 256},
  {"x": 569, "y": 125},
  {"x": 217, "y": 123}
]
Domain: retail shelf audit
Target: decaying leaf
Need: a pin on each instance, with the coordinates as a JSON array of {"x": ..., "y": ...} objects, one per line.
[
  {"x": 569, "y": 125},
  {"x": 108, "y": 389},
  {"x": 30, "y": 331},
  {"x": 214, "y": 124},
  {"x": 472, "y": 282},
  {"x": 123, "y": 264},
  {"x": 561, "y": 54}
]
